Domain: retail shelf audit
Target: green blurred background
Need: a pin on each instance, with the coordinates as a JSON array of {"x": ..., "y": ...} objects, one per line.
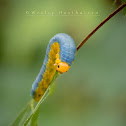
[{"x": 93, "y": 91}]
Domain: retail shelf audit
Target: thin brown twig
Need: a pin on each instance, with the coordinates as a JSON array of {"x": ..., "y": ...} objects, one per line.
[{"x": 102, "y": 23}]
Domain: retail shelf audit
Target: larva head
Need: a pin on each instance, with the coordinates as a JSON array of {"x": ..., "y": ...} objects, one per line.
[{"x": 62, "y": 67}]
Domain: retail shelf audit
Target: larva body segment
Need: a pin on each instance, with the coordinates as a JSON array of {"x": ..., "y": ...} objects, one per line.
[{"x": 61, "y": 48}]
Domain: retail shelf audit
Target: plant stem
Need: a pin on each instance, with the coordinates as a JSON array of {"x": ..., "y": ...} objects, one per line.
[{"x": 102, "y": 23}]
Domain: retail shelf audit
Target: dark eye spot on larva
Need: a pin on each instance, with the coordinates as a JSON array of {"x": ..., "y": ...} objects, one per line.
[
  {"x": 58, "y": 66},
  {"x": 39, "y": 95}
]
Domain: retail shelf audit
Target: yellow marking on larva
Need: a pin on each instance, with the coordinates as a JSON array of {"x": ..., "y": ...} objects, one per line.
[
  {"x": 57, "y": 59},
  {"x": 49, "y": 72}
]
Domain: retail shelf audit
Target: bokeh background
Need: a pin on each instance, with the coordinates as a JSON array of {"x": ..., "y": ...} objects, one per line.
[{"x": 93, "y": 91}]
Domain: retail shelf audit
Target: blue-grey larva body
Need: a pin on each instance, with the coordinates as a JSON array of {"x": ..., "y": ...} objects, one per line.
[{"x": 67, "y": 54}]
